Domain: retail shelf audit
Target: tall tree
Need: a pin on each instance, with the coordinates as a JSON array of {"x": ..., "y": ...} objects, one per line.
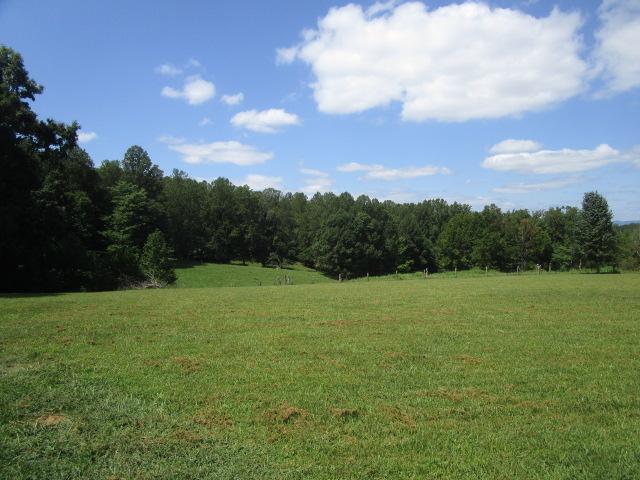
[
  {"x": 456, "y": 241},
  {"x": 595, "y": 232},
  {"x": 138, "y": 169}
]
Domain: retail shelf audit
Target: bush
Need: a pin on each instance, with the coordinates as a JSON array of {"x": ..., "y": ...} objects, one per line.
[{"x": 156, "y": 263}]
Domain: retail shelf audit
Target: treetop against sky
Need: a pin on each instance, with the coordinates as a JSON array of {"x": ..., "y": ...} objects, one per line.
[{"x": 523, "y": 103}]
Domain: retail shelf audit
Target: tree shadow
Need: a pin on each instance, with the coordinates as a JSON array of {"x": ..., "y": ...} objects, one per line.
[{"x": 32, "y": 294}]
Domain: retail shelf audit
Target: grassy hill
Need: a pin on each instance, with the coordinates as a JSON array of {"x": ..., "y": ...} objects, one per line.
[
  {"x": 200, "y": 275},
  {"x": 500, "y": 377}
]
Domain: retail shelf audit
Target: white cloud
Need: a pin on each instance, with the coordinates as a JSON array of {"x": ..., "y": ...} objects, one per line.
[
  {"x": 86, "y": 137},
  {"x": 617, "y": 54},
  {"x": 379, "y": 172},
  {"x": 260, "y": 182},
  {"x": 193, "y": 63},
  {"x": 354, "y": 167},
  {"x": 381, "y": 7},
  {"x": 317, "y": 185},
  {"x": 515, "y": 146},
  {"x": 316, "y": 181},
  {"x": 566, "y": 160},
  {"x": 235, "y": 99},
  {"x": 286, "y": 55},
  {"x": 536, "y": 187},
  {"x": 633, "y": 156},
  {"x": 168, "y": 70},
  {"x": 398, "y": 196},
  {"x": 265, "y": 121},
  {"x": 221, "y": 152},
  {"x": 453, "y": 63},
  {"x": 196, "y": 90},
  {"x": 205, "y": 121},
  {"x": 313, "y": 172},
  {"x": 170, "y": 139}
]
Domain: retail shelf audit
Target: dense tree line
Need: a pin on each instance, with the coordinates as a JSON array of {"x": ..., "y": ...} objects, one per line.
[{"x": 68, "y": 225}]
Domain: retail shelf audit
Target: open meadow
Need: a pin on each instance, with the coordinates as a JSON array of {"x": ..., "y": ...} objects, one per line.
[
  {"x": 500, "y": 377},
  {"x": 197, "y": 275}
]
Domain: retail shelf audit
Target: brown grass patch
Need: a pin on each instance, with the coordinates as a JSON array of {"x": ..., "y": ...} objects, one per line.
[
  {"x": 469, "y": 359},
  {"x": 394, "y": 354},
  {"x": 345, "y": 413},
  {"x": 187, "y": 436},
  {"x": 152, "y": 363},
  {"x": 398, "y": 415},
  {"x": 333, "y": 362},
  {"x": 212, "y": 418},
  {"x": 334, "y": 323},
  {"x": 287, "y": 414},
  {"x": 189, "y": 365},
  {"x": 50, "y": 420}
]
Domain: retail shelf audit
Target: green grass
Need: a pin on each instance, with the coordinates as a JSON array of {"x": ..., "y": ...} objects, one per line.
[
  {"x": 501, "y": 377},
  {"x": 236, "y": 275}
]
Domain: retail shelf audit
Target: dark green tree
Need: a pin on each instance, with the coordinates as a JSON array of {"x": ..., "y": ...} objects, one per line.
[
  {"x": 456, "y": 242},
  {"x": 138, "y": 169},
  {"x": 184, "y": 201},
  {"x": 156, "y": 262},
  {"x": 597, "y": 237},
  {"x": 48, "y": 212},
  {"x": 133, "y": 217}
]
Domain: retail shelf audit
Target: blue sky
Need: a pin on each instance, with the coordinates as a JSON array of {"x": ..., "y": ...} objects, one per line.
[{"x": 526, "y": 104}]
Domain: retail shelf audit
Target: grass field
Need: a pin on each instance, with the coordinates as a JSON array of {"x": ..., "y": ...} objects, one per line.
[
  {"x": 237, "y": 275},
  {"x": 501, "y": 377}
]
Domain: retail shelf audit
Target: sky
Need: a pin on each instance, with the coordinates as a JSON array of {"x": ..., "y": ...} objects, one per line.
[{"x": 522, "y": 103}]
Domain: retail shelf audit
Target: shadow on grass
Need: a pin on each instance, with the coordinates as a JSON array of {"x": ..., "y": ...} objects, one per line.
[{"x": 32, "y": 294}]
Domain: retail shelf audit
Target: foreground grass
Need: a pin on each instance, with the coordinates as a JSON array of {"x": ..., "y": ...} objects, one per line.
[
  {"x": 503, "y": 377},
  {"x": 236, "y": 275}
]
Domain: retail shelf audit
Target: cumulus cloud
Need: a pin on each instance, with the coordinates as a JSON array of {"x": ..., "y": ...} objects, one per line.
[
  {"x": 86, "y": 137},
  {"x": 260, "y": 182},
  {"x": 221, "y": 152},
  {"x": 205, "y": 121},
  {"x": 168, "y": 70},
  {"x": 515, "y": 146},
  {"x": 536, "y": 187},
  {"x": 286, "y": 55},
  {"x": 617, "y": 54},
  {"x": 265, "y": 121},
  {"x": 196, "y": 90},
  {"x": 379, "y": 172},
  {"x": 453, "y": 63},
  {"x": 565, "y": 160},
  {"x": 317, "y": 181},
  {"x": 235, "y": 99}
]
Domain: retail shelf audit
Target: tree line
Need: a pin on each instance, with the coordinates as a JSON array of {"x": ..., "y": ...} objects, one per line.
[{"x": 68, "y": 225}]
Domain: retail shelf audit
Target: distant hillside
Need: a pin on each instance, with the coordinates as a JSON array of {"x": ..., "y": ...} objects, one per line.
[{"x": 626, "y": 222}]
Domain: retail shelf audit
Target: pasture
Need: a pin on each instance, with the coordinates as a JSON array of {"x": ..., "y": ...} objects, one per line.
[
  {"x": 198, "y": 275},
  {"x": 500, "y": 377}
]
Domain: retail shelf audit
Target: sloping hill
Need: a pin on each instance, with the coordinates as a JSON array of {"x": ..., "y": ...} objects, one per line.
[{"x": 201, "y": 275}]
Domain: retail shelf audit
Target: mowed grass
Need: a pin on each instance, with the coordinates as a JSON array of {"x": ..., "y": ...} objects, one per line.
[
  {"x": 503, "y": 377},
  {"x": 236, "y": 275}
]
